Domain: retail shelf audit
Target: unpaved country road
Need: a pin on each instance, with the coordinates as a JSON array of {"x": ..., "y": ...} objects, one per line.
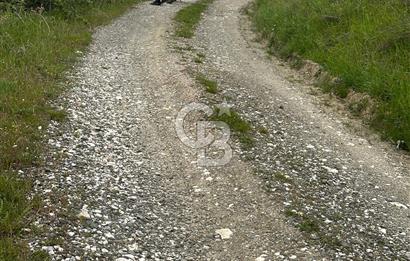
[{"x": 119, "y": 184}]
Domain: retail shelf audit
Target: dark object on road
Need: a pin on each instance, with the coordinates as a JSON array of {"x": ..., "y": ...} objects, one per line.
[
  {"x": 401, "y": 145},
  {"x": 160, "y": 2},
  {"x": 157, "y": 2}
]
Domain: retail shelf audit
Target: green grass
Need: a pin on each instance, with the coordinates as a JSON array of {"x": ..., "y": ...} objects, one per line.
[
  {"x": 239, "y": 126},
  {"x": 188, "y": 18},
  {"x": 305, "y": 223},
  {"x": 35, "y": 51},
  {"x": 282, "y": 178},
  {"x": 309, "y": 226},
  {"x": 198, "y": 60},
  {"x": 263, "y": 130},
  {"x": 365, "y": 43},
  {"x": 234, "y": 120},
  {"x": 211, "y": 86},
  {"x": 13, "y": 203},
  {"x": 291, "y": 213}
]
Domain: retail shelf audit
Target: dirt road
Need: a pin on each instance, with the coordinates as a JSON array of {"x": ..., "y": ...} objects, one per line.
[{"x": 120, "y": 184}]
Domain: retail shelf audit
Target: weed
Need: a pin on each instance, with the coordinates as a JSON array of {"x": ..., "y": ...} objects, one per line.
[
  {"x": 184, "y": 48},
  {"x": 309, "y": 225},
  {"x": 40, "y": 256},
  {"x": 189, "y": 17},
  {"x": 211, "y": 86},
  {"x": 295, "y": 62},
  {"x": 198, "y": 60},
  {"x": 241, "y": 127},
  {"x": 201, "y": 56},
  {"x": 356, "y": 108},
  {"x": 282, "y": 178},
  {"x": 291, "y": 213},
  {"x": 246, "y": 140},
  {"x": 233, "y": 119},
  {"x": 54, "y": 241},
  {"x": 263, "y": 130}
]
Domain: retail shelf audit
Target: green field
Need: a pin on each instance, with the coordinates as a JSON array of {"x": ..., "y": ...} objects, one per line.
[
  {"x": 365, "y": 43},
  {"x": 37, "y": 46}
]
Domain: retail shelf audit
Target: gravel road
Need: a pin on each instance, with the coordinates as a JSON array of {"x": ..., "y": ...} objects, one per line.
[{"x": 119, "y": 184}]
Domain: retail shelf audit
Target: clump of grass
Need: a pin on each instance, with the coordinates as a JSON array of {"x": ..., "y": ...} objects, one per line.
[
  {"x": 210, "y": 85},
  {"x": 356, "y": 108},
  {"x": 184, "y": 48},
  {"x": 282, "y": 178},
  {"x": 189, "y": 17},
  {"x": 305, "y": 223},
  {"x": 54, "y": 241},
  {"x": 263, "y": 130},
  {"x": 40, "y": 256},
  {"x": 198, "y": 60},
  {"x": 241, "y": 127},
  {"x": 291, "y": 213},
  {"x": 200, "y": 57},
  {"x": 309, "y": 226},
  {"x": 364, "y": 43},
  {"x": 246, "y": 140},
  {"x": 35, "y": 50},
  {"x": 233, "y": 119}
]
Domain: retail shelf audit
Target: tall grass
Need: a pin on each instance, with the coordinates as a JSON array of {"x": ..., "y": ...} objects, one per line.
[
  {"x": 366, "y": 43},
  {"x": 35, "y": 51}
]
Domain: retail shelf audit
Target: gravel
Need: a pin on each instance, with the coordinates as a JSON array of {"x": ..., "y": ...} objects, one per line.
[
  {"x": 118, "y": 184},
  {"x": 349, "y": 195},
  {"x": 108, "y": 189}
]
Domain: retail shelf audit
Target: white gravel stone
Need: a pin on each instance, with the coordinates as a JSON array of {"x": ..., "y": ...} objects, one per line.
[{"x": 224, "y": 233}]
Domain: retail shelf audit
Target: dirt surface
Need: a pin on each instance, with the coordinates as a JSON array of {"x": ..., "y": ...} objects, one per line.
[{"x": 119, "y": 184}]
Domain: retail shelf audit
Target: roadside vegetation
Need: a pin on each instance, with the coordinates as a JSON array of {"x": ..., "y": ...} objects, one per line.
[
  {"x": 188, "y": 18},
  {"x": 39, "y": 41},
  {"x": 365, "y": 44}
]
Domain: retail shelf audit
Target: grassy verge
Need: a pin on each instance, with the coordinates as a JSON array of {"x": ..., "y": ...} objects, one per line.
[
  {"x": 189, "y": 17},
  {"x": 365, "y": 43},
  {"x": 35, "y": 51}
]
